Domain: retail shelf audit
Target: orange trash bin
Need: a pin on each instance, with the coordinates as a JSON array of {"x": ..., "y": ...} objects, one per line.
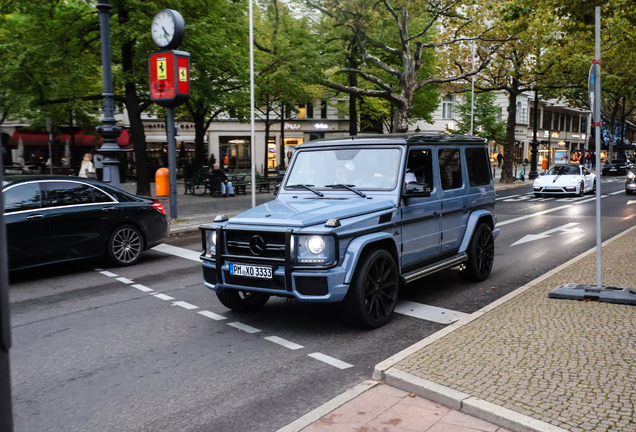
[
  {"x": 162, "y": 182},
  {"x": 544, "y": 164}
]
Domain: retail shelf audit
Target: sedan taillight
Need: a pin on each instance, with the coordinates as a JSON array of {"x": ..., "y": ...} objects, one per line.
[{"x": 159, "y": 207}]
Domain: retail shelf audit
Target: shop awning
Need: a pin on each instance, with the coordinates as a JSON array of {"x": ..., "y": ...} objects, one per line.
[{"x": 82, "y": 139}]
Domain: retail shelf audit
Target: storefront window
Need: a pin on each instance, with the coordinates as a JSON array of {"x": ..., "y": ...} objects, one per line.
[
  {"x": 235, "y": 153},
  {"x": 271, "y": 153},
  {"x": 290, "y": 146}
]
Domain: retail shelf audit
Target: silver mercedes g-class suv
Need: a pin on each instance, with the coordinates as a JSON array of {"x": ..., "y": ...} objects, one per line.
[{"x": 356, "y": 218}]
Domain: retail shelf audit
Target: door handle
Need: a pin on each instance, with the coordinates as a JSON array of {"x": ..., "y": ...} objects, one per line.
[
  {"x": 35, "y": 217},
  {"x": 108, "y": 208}
]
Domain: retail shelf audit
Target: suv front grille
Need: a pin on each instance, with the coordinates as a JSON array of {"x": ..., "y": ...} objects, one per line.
[{"x": 268, "y": 244}]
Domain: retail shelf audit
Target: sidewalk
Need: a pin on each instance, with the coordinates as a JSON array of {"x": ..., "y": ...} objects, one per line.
[
  {"x": 523, "y": 363},
  {"x": 193, "y": 211}
]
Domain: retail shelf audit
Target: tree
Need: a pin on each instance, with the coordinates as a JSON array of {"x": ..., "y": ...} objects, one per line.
[
  {"x": 396, "y": 45},
  {"x": 486, "y": 118}
]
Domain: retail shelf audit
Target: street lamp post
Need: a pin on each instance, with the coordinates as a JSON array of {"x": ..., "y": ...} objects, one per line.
[
  {"x": 534, "y": 144},
  {"x": 109, "y": 129}
]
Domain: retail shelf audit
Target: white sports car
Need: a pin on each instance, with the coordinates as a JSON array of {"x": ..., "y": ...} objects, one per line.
[{"x": 565, "y": 179}]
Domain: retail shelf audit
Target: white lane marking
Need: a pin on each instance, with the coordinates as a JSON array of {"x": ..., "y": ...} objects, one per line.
[
  {"x": 428, "y": 313},
  {"x": 565, "y": 229},
  {"x": 142, "y": 288},
  {"x": 185, "y": 305},
  {"x": 590, "y": 199},
  {"x": 330, "y": 360},
  {"x": 180, "y": 252},
  {"x": 124, "y": 280},
  {"x": 631, "y": 202},
  {"x": 212, "y": 315},
  {"x": 163, "y": 296},
  {"x": 244, "y": 327},
  {"x": 617, "y": 192},
  {"x": 509, "y": 221},
  {"x": 571, "y": 199},
  {"x": 573, "y": 239},
  {"x": 284, "y": 342},
  {"x": 109, "y": 274},
  {"x": 506, "y": 197}
]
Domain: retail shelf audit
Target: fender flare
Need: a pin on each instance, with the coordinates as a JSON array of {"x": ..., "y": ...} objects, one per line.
[
  {"x": 355, "y": 248},
  {"x": 474, "y": 218}
]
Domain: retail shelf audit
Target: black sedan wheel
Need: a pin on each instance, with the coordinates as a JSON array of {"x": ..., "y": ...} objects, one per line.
[
  {"x": 373, "y": 292},
  {"x": 125, "y": 245},
  {"x": 481, "y": 255},
  {"x": 242, "y": 301},
  {"x": 582, "y": 189}
]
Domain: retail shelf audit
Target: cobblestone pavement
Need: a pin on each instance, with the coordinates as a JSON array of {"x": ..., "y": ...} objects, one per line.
[{"x": 565, "y": 362}]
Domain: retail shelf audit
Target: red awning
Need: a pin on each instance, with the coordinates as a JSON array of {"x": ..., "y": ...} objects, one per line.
[{"x": 38, "y": 138}]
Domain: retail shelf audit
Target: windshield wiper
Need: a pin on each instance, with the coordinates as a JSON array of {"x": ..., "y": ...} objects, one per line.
[
  {"x": 349, "y": 187},
  {"x": 296, "y": 186}
]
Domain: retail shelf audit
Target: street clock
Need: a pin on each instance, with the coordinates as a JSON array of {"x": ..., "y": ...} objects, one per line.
[{"x": 168, "y": 29}]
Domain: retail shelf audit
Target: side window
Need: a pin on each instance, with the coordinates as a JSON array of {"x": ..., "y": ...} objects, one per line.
[
  {"x": 477, "y": 166},
  {"x": 419, "y": 167},
  {"x": 60, "y": 194},
  {"x": 22, "y": 197},
  {"x": 450, "y": 169},
  {"x": 101, "y": 197}
]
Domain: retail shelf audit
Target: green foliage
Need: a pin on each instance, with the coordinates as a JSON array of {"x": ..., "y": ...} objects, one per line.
[{"x": 486, "y": 123}]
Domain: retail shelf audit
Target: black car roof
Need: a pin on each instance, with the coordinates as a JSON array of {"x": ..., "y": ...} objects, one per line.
[
  {"x": 31, "y": 177},
  {"x": 407, "y": 138}
]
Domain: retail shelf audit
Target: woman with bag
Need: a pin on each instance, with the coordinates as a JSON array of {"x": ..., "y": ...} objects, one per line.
[{"x": 87, "y": 170}]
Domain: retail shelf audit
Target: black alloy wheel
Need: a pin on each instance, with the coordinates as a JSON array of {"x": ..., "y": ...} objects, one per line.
[
  {"x": 582, "y": 189},
  {"x": 481, "y": 255},
  {"x": 125, "y": 245},
  {"x": 242, "y": 301},
  {"x": 374, "y": 290},
  {"x": 594, "y": 188}
]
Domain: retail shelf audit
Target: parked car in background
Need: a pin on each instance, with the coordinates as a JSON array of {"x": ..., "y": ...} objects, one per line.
[
  {"x": 616, "y": 167},
  {"x": 565, "y": 179},
  {"x": 355, "y": 219},
  {"x": 51, "y": 219},
  {"x": 630, "y": 183}
]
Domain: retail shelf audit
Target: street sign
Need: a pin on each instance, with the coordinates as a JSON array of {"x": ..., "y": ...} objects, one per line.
[
  {"x": 169, "y": 78},
  {"x": 595, "y": 71}
]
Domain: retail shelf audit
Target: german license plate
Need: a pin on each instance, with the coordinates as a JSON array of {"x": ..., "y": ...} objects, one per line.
[
  {"x": 246, "y": 270},
  {"x": 612, "y": 169},
  {"x": 553, "y": 188}
]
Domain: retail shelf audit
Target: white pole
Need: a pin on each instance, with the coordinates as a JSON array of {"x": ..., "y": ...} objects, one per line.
[
  {"x": 472, "y": 92},
  {"x": 252, "y": 106},
  {"x": 597, "y": 119}
]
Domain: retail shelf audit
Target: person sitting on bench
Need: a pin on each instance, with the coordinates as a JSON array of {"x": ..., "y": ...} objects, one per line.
[{"x": 226, "y": 185}]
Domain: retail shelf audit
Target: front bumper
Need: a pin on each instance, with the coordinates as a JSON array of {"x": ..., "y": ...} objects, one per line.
[{"x": 556, "y": 189}]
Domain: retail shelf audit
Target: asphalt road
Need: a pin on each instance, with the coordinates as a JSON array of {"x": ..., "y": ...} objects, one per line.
[{"x": 131, "y": 350}]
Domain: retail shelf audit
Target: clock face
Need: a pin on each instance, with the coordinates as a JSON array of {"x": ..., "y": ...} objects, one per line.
[{"x": 163, "y": 28}]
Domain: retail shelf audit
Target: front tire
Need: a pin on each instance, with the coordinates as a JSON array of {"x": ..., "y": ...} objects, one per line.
[
  {"x": 373, "y": 293},
  {"x": 481, "y": 255},
  {"x": 242, "y": 301},
  {"x": 582, "y": 189},
  {"x": 125, "y": 245}
]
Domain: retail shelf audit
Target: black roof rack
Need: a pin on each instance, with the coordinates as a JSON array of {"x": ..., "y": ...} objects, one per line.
[{"x": 407, "y": 138}]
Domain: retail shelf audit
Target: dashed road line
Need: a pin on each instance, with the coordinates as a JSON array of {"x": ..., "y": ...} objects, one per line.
[
  {"x": 212, "y": 315},
  {"x": 124, "y": 280},
  {"x": 109, "y": 274},
  {"x": 284, "y": 342},
  {"x": 185, "y": 305},
  {"x": 589, "y": 200},
  {"x": 243, "y": 327},
  {"x": 330, "y": 360},
  {"x": 163, "y": 297},
  {"x": 509, "y": 221},
  {"x": 506, "y": 197},
  {"x": 142, "y": 288},
  {"x": 617, "y": 192}
]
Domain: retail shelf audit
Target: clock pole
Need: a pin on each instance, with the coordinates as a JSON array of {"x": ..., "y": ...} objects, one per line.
[{"x": 109, "y": 129}]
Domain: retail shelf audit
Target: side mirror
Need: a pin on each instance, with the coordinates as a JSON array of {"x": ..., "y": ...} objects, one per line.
[
  {"x": 415, "y": 189},
  {"x": 276, "y": 189}
]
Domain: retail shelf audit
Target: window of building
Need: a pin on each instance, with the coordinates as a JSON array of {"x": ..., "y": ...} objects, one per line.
[
  {"x": 235, "y": 153},
  {"x": 568, "y": 121},
  {"x": 310, "y": 110},
  {"x": 447, "y": 107},
  {"x": 323, "y": 109},
  {"x": 547, "y": 120},
  {"x": 575, "y": 123},
  {"x": 562, "y": 128},
  {"x": 584, "y": 124},
  {"x": 478, "y": 166},
  {"x": 532, "y": 117},
  {"x": 555, "y": 124},
  {"x": 450, "y": 169},
  {"x": 22, "y": 197}
]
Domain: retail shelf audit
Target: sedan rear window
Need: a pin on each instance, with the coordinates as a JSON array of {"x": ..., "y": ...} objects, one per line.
[
  {"x": 60, "y": 194},
  {"x": 22, "y": 197}
]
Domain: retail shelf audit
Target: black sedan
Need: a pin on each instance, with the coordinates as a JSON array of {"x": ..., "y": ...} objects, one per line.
[
  {"x": 616, "y": 167},
  {"x": 51, "y": 219}
]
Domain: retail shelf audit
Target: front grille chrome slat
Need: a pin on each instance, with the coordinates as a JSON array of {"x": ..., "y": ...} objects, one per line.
[{"x": 237, "y": 243}]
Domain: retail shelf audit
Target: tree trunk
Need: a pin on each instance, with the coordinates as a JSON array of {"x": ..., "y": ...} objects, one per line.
[
  {"x": 282, "y": 136},
  {"x": 401, "y": 119},
  {"x": 509, "y": 147}
]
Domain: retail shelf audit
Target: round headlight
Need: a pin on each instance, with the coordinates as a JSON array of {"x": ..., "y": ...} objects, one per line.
[
  {"x": 214, "y": 238},
  {"x": 316, "y": 245}
]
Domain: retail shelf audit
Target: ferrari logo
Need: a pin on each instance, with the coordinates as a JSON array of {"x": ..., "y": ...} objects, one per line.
[
  {"x": 183, "y": 74},
  {"x": 162, "y": 69}
]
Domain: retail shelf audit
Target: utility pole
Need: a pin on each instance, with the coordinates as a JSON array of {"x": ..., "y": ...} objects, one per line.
[
  {"x": 109, "y": 129},
  {"x": 534, "y": 144}
]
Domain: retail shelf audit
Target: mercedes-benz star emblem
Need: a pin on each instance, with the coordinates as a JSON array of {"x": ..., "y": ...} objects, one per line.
[{"x": 257, "y": 245}]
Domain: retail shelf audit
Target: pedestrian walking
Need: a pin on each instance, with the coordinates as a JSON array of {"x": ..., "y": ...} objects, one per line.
[
  {"x": 588, "y": 159},
  {"x": 499, "y": 159},
  {"x": 87, "y": 169}
]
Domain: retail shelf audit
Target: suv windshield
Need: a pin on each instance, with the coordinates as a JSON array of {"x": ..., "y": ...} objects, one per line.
[
  {"x": 365, "y": 168},
  {"x": 564, "y": 170}
]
